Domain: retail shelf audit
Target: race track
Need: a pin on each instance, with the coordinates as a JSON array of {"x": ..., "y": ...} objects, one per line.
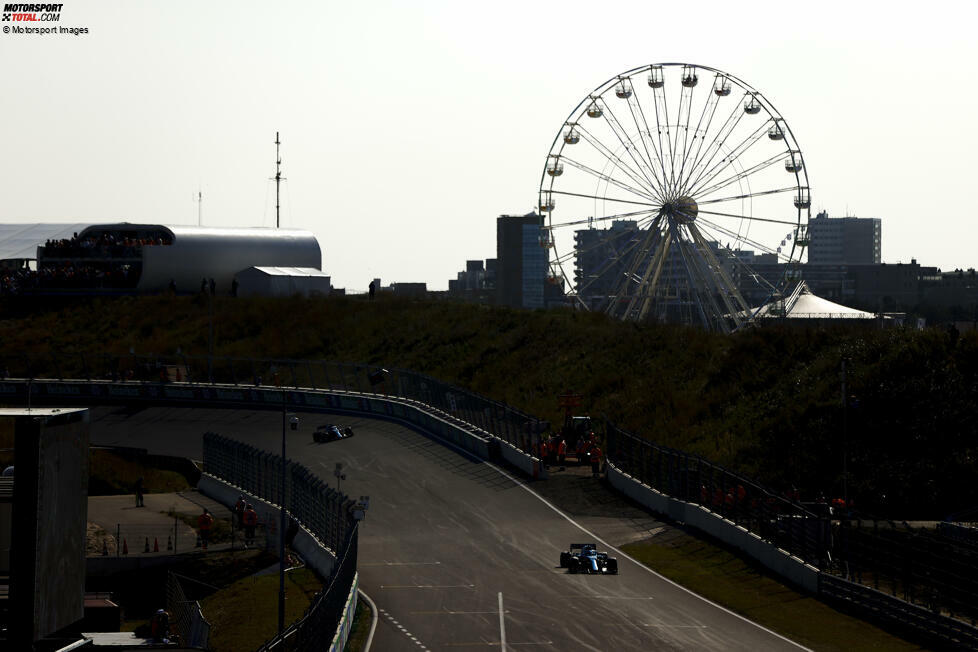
[{"x": 458, "y": 554}]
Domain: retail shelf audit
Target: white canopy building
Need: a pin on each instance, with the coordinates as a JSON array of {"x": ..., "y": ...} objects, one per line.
[
  {"x": 802, "y": 305},
  {"x": 282, "y": 282}
]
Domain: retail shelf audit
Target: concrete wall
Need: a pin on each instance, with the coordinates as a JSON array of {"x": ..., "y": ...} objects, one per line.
[
  {"x": 316, "y": 554},
  {"x": 775, "y": 559}
]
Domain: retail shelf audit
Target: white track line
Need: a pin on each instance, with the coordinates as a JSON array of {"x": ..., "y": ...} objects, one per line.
[
  {"x": 502, "y": 624},
  {"x": 583, "y": 529},
  {"x": 640, "y": 564},
  {"x": 373, "y": 620}
]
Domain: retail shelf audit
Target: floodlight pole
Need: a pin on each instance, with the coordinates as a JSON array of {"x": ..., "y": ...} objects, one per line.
[
  {"x": 281, "y": 533},
  {"x": 845, "y": 439}
]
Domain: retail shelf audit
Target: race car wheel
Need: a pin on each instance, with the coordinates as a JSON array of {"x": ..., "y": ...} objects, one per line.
[
  {"x": 613, "y": 566},
  {"x": 564, "y": 559},
  {"x": 348, "y": 431}
]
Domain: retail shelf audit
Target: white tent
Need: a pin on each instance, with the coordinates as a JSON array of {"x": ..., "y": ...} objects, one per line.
[
  {"x": 282, "y": 281},
  {"x": 802, "y": 304}
]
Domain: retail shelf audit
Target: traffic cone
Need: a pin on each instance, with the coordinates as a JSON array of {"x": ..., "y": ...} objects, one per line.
[
  {"x": 146, "y": 549},
  {"x": 125, "y": 547},
  {"x": 169, "y": 543},
  {"x": 156, "y": 544}
]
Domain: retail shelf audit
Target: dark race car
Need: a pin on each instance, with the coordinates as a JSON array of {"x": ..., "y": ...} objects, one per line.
[
  {"x": 585, "y": 558},
  {"x": 331, "y": 433}
]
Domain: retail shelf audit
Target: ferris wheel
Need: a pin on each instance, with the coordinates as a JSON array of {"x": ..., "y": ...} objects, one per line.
[{"x": 675, "y": 192}]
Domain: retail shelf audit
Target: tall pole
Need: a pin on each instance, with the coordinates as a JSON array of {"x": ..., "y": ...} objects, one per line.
[
  {"x": 281, "y": 529},
  {"x": 845, "y": 439},
  {"x": 278, "y": 177}
]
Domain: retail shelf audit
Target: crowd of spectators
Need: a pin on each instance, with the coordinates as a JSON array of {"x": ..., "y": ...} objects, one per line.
[
  {"x": 101, "y": 245},
  {"x": 69, "y": 277}
]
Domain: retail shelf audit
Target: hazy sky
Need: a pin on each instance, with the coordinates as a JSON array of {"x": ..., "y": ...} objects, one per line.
[{"x": 407, "y": 127}]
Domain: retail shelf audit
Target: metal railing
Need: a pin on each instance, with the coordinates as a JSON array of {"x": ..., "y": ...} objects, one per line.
[
  {"x": 780, "y": 521},
  {"x": 321, "y": 620},
  {"x": 493, "y": 417},
  {"x": 325, "y": 512},
  {"x": 919, "y": 570},
  {"x": 187, "y": 619},
  {"x": 875, "y": 564}
]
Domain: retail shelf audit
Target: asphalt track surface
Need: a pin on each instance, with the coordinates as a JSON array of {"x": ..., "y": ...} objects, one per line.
[{"x": 459, "y": 554}]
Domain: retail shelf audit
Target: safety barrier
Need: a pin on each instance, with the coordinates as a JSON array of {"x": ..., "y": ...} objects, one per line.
[
  {"x": 484, "y": 414},
  {"x": 756, "y": 514},
  {"x": 322, "y": 526},
  {"x": 186, "y": 617},
  {"x": 932, "y": 579}
]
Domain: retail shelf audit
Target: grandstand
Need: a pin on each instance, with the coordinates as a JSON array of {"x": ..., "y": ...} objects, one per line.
[{"x": 128, "y": 258}]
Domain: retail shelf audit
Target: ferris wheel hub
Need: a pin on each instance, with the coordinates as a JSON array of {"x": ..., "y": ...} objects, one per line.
[{"x": 682, "y": 209}]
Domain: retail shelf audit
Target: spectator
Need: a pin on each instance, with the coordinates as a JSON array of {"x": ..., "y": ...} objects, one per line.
[
  {"x": 139, "y": 492},
  {"x": 204, "y": 523},
  {"x": 250, "y": 520}
]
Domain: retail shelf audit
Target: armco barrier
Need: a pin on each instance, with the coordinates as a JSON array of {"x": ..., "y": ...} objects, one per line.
[
  {"x": 698, "y": 517},
  {"x": 898, "y": 614}
]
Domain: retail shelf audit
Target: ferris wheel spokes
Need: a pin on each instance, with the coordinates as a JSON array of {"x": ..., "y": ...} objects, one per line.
[
  {"x": 635, "y": 107},
  {"x": 727, "y": 161},
  {"x": 759, "y": 167},
  {"x": 712, "y": 101},
  {"x": 601, "y": 176},
  {"x": 616, "y": 160},
  {"x": 716, "y": 145},
  {"x": 632, "y": 149},
  {"x": 750, "y": 218}
]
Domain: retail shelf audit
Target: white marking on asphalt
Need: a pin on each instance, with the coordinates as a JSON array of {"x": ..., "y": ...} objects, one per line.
[
  {"x": 427, "y": 586},
  {"x": 446, "y": 612},
  {"x": 502, "y": 624},
  {"x": 674, "y": 626},
  {"x": 403, "y": 629},
  {"x": 401, "y": 563},
  {"x": 604, "y": 597},
  {"x": 594, "y": 536}
]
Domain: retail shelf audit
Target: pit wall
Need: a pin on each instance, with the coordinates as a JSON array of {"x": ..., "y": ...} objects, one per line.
[{"x": 777, "y": 560}]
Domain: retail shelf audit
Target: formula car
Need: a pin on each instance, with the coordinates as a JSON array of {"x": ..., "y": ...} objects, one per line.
[
  {"x": 585, "y": 558},
  {"x": 331, "y": 433}
]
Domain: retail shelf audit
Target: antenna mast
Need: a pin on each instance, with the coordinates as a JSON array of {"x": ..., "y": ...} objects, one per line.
[
  {"x": 278, "y": 178},
  {"x": 200, "y": 207}
]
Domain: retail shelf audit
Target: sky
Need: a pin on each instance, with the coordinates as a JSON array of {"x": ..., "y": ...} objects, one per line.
[{"x": 408, "y": 127}]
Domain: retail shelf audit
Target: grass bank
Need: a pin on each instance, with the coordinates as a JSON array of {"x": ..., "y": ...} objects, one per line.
[{"x": 722, "y": 577}]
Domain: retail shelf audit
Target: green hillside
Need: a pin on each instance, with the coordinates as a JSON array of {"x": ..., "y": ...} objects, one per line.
[{"x": 766, "y": 402}]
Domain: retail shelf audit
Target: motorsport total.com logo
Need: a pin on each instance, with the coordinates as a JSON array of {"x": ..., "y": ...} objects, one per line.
[{"x": 29, "y": 13}]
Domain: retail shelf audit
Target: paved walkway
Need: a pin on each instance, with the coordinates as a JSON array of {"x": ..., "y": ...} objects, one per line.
[{"x": 152, "y": 526}]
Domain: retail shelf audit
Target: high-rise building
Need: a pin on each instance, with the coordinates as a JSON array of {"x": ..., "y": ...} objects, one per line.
[
  {"x": 522, "y": 261},
  {"x": 844, "y": 240},
  {"x": 602, "y": 258}
]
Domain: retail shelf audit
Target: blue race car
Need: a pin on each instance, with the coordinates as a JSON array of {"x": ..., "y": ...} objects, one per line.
[
  {"x": 331, "y": 433},
  {"x": 585, "y": 558}
]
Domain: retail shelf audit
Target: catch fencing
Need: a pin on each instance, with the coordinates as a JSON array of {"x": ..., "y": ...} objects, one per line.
[
  {"x": 921, "y": 578},
  {"x": 498, "y": 419},
  {"x": 787, "y": 524},
  {"x": 326, "y": 513},
  {"x": 934, "y": 572},
  {"x": 187, "y": 620}
]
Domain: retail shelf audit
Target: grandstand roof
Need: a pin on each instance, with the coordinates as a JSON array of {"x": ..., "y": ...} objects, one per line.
[
  {"x": 20, "y": 241},
  {"x": 291, "y": 271}
]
